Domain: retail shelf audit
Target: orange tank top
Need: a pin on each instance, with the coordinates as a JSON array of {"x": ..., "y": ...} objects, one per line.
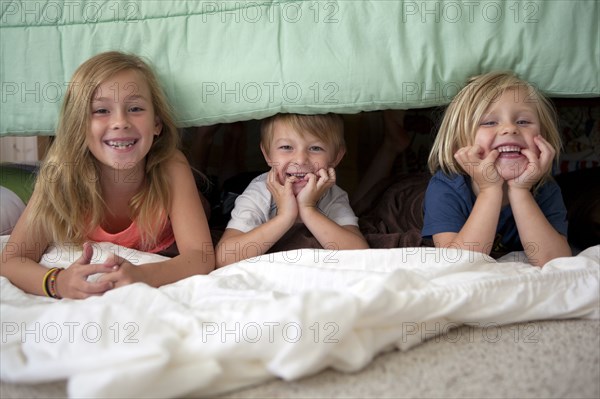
[{"x": 131, "y": 237}]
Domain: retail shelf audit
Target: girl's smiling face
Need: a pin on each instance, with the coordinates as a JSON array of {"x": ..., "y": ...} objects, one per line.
[
  {"x": 509, "y": 125},
  {"x": 295, "y": 154},
  {"x": 123, "y": 123}
]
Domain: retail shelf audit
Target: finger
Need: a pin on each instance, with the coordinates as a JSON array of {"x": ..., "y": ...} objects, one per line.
[
  {"x": 463, "y": 159},
  {"x": 462, "y": 155},
  {"x": 323, "y": 178},
  {"x": 321, "y": 175},
  {"x": 97, "y": 288},
  {"x": 292, "y": 179},
  {"x": 87, "y": 253},
  {"x": 460, "y": 151},
  {"x": 272, "y": 176},
  {"x": 113, "y": 261},
  {"x": 85, "y": 271},
  {"x": 531, "y": 155},
  {"x": 312, "y": 179},
  {"x": 492, "y": 156},
  {"x": 331, "y": 176},
  {"x": 544, "y": 146},
  {"x": 475, "y": 151},
  {"x": 288, "y": 183},
  {"x": 539, "y": 140},
  {"x": 544, "y": 162}
]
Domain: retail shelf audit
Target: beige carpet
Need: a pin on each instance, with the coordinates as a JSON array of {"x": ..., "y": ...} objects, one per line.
[{"x": 548, "y": 359}]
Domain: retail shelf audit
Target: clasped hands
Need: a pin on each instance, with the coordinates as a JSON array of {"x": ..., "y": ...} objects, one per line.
[
  {"x": 115, "y": 272},
  {"x": 295, "y": 206}
]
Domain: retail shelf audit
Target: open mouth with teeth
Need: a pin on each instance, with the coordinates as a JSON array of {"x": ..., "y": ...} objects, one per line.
[
  {"x": 508, "y": 150},
  {"x": 120, "y": 144},
  {"x": 298, "y": 175}
]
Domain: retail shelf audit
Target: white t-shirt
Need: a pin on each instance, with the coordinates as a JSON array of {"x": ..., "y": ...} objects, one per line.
[{"x": 255, "y": 206}]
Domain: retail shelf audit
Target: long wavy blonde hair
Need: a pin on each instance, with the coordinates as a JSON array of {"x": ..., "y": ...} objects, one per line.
[
  {"x": 462, "y": 117},
  {"x": 68, "y": 203}
]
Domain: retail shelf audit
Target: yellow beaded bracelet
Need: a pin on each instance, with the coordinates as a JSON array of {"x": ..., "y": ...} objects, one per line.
[
  {"x": 52, "y": 283},
  {"x": 45, "y": 281}
]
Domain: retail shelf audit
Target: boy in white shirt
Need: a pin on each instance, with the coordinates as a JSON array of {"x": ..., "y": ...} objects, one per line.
[{"x": 303, "y": 151}]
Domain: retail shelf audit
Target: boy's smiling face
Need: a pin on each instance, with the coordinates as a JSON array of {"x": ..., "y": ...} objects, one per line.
[
  {"x": 295, "y": 154},
  {"x": 509, "y": 126}
]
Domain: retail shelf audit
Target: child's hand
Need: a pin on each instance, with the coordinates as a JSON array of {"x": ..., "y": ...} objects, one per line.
[
  {"x": 283, "y": 195},
  {"x": 72, "y": 282},
  {"x": 315, "y": 188},
  {"x": 482, "y": 171},
  {"x": 122, "y": 272},
  {"x": 537, "y": 166}
]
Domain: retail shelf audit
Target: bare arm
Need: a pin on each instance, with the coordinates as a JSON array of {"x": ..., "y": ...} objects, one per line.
[
  {"x": 539, "y": 238},
  {"x": 20, "y": 264},
  {"x": 479, "y": 230},
  {"x": 330, "y": 234},
  {"x": 326, "y": 231},
  {"x": 192, "y": 235},
  {"x": 236, "y": 245}
]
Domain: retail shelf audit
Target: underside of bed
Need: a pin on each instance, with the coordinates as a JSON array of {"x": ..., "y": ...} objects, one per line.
[{"x": 226, "y": 61}]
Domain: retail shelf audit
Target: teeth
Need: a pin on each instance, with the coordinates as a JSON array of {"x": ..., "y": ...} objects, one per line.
[
  {"x": 297, "y": 174},
  {"x": 121, "y": 144},
  {"x": 509, "y": 148}
]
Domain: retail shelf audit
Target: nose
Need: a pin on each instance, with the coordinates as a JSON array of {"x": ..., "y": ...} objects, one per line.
[
  {"x": 120, "y": 120},
  {"x": 301, "y": 157},
  {"x": 509, "y": 128}
]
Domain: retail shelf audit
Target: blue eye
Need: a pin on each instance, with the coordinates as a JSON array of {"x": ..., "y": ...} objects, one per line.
[
  {"x": 523, "y": 122},
  {"x": 285, "y": 147},
  {"x": 136, "y": 109},
  {"x": 316, "y": 148},
  {"x": 488, "y": 123},
  {"x": 100, "y": 111}
]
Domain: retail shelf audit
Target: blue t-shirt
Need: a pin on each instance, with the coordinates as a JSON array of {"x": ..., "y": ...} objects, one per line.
[{"x": 449, "y": 201}]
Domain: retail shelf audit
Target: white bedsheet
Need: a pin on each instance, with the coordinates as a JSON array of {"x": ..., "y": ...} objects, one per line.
[{"x": 285, "y": 315}]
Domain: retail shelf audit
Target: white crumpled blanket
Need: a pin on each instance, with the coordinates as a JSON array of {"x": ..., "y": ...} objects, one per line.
[{"x": 285, "y": 315}]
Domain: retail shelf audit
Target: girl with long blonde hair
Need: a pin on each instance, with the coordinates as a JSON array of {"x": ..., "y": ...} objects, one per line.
[{"x": 113, "y": 173}]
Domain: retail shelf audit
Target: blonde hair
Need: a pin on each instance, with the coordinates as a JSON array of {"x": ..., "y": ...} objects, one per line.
[
  {"x": 462, "y": 116},
  {"x": 68, "y": 203},
  {"x": 328, "y": 128}
]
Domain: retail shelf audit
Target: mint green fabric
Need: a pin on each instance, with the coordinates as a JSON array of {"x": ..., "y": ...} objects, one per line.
[{"x": 225, "y": 61}]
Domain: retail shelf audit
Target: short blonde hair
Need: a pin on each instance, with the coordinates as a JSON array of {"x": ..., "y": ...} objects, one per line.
[
  {"x": 326, "y": 127},
  {"x": 462, "y": 117}
]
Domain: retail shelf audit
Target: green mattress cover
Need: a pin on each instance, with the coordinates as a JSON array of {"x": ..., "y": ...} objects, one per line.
[{"x": 225, "y": 61}]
